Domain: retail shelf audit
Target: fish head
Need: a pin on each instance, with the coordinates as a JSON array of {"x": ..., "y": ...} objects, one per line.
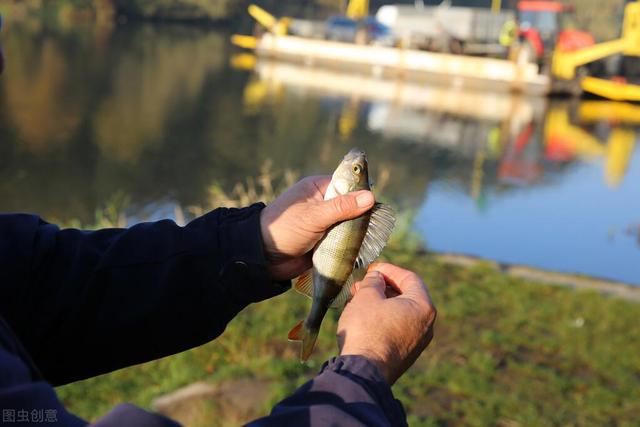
[{"x": 352, "y": 174}]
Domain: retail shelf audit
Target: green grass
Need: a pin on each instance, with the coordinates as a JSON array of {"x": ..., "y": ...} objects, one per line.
[{"x": 506, "y": 352}]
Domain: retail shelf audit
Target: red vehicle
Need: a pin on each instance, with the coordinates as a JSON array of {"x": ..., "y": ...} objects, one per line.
[{"x": 546, "y": 25}]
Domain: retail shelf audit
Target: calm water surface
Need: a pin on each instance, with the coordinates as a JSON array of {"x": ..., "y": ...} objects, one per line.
[{"x": 155, "y": 115}]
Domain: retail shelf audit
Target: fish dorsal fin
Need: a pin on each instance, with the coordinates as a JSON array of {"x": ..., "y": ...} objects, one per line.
[
  {"x": 380, "y": 227},
  {"x": 304, "y": 284}
]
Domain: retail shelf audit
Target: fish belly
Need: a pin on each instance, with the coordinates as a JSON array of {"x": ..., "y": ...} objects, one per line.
[{"x": 334, "y": 257}]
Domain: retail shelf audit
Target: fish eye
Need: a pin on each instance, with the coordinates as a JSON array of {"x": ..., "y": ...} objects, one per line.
[{"x": 357, "y": 169}]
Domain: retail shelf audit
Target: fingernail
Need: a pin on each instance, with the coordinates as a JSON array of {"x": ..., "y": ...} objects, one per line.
[
  {"x": 374, "y": 275},
  {"x": 364, "y": 199}
]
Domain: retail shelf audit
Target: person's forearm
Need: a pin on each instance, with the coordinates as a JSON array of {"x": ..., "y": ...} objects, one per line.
[
  {"x": 112, "y": 298},
  {"x": 349, "y": 390}
]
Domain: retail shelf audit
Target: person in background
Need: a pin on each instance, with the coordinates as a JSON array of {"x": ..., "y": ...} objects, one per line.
[{"x": 75, "y": 304}]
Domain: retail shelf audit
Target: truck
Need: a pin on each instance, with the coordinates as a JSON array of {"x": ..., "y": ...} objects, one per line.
[{"x": 444, "y": 28}]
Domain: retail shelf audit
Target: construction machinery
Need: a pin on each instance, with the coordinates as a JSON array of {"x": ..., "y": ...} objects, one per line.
[
  {"x": 546, "y": 26},
  {"x": 543, "y": 28},
  {"x": 569, "y": 65},
  {"x": 565, "y": 60}
]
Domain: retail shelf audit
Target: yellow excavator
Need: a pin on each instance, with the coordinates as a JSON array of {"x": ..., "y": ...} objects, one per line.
[
  {"x": 356, "y": 9},
  {"x": 567, "y": 65}
]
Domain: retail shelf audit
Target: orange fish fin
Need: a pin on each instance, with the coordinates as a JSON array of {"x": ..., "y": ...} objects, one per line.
[
  {"x": 308, "y": 342},
  {"x": 308, "y": 338},
  {"x": 297, "y": 333},
  {"x": 304, "y": 284}
]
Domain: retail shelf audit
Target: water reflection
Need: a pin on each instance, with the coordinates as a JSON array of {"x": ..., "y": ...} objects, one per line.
[{"x": 156, "y": 115}]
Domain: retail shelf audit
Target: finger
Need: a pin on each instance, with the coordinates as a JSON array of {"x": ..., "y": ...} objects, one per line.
[
  {"x": 405, "y": 281},
  {"x": 370, "y": 288},
  {"x": 391, "y": 292},
  {"x": 329, "y": 212}
]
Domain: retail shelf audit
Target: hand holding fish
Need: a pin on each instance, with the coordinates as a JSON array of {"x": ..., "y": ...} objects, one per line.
[
  {"x": 389, "y": 319},
  {"x": 293, "y": 224}
]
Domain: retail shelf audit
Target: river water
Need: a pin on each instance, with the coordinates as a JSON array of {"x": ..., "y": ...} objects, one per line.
[{"x": 156, "y": 115}]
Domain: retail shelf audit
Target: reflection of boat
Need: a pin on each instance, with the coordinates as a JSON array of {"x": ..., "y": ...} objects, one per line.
[
  {"x": 444, "y": 130},
  {"x": 514, "y": 130},
  {"x": 480, "y": 105},
  {"x": 443, "y": 116}
]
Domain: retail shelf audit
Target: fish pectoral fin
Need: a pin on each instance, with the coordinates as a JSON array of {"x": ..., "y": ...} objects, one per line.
[
  {"x": 304, "y": 284},
  {"x": 345, "y": 294},
  {"x": 380, "y": 227},
  {"x": 296, "y": 333}
]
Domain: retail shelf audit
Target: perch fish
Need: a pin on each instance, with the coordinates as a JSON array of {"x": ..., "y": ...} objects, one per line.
[{"x": 347, "y": 247}]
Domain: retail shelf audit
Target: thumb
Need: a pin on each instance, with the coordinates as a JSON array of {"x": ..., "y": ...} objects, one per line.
[
  {"x": 371, "y": 287},
  {"x": 341, "y": 208}
]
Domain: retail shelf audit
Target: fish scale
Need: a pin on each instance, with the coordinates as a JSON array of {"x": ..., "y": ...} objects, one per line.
[{"x": 336, "y": 253}]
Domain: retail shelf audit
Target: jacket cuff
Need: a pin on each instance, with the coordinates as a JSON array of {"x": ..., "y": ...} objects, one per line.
[
  {"x": 244, "y": 270},
  {"x": 126, "y": 414},
  {"x": 365, "y": 373}
]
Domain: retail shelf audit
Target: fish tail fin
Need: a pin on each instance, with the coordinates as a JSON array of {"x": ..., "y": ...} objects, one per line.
[{"x": 307, "y": 336}]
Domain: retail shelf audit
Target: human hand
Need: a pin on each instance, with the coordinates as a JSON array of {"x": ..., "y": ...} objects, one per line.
[
  {"x": 389, "y": 320},
  {"x": 293, "y": 224}
]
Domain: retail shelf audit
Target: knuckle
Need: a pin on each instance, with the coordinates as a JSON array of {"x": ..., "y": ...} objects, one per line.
[
  {"x": 310, "y": 219},
  {"x": 413, "y": 276},
  {"x": 428, "y": 314},
  {"x": 307, "y": 181},
  {"x": 343, "y": 205},
  {"x": 433, "y": 314}
]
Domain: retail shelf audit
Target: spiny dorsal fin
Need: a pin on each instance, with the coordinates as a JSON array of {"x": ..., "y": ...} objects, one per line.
[
  {"x": 304, "y": 284},
  {"x": 380, "y": 228}
]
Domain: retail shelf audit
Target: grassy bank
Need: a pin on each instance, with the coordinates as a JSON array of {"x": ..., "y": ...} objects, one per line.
[{"x": 506, "y": 352}]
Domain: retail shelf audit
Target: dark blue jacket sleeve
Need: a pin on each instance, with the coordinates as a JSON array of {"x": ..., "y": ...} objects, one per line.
[
  {"x": 349, "y": 390},
  {"x": 88, "y": 302}
]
